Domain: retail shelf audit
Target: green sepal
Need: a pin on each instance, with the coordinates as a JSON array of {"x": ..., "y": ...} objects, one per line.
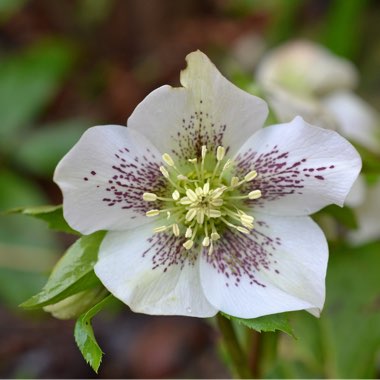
[
  {"x": 73, "y": 273},
  {"x": 85, "y": 338},
  {"x": 75, "y": 305},
  {"x": 265, "y": 323},
  {"x": 52, "y": 215}
]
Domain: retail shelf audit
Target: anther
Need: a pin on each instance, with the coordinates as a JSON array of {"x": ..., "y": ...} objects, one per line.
[
  {"x": 217, "y": 202},
  {"x": 215, "y": 236},
  {"x": 149, "y": 197},
  {"x": 242, "y": 229},
  {"x": 191, "y": 195},
  {"x": 250, "y": 176},
  {"x": 175, "y": 229},
  {"x": 246, "y": 219},
  {"x": 182, "y": 177},
  {"x": 200, "y": 216},
  {"x": 188, "y": 244},
  {"x": 203, "y": 151},
  {"x": 255, "y": 194},
  {"x": 188, "y": 233},
  {"x": 218, "y": 192},
  {"x": 212, "y": 213},
  {"x": 206, "y": 241},
  {"x": 168, "y": 160},
  {"x": 175, "y": 195},
  {"x": 191, "y": 214},
  {"x": 220, "y": 152},
  {"x": 199, "y": 191},
  {"x": 185, "y": 201},
  {"x": 164, "y": 172},
  {"x": 152, "y": 213}
]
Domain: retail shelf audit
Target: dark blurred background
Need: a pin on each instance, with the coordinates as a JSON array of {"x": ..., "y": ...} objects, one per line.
[{"x": 68, "y": 65}]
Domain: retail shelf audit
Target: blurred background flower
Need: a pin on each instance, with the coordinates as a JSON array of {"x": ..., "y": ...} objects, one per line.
[{"x": 65, "y": 66}]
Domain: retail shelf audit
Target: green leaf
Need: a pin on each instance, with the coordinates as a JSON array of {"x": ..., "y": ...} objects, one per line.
[
  {"x": 16, "y": 191},
  {"x": 9, "y": 7},
  {"x": 29, "y": 81},
  {"x": 266, "y": 323},
  {"x": 344, "y": 342},
  {"x": 85, "y": 338},
  {"x": 77, "y": 304},
  {"x": 42, "y": 149},
  {"x": 53, "y": 215},
  {"x": 72, "y": 274}
]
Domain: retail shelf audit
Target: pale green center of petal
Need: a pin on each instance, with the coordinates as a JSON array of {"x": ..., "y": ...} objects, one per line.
[{"x": 204, "y": 199}]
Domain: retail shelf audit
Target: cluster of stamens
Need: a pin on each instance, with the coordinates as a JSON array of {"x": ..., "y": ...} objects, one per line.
[{"x": 203, "y": 201}]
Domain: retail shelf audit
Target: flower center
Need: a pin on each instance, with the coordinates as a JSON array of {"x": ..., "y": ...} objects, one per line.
[{"x": 203, "y": 199}]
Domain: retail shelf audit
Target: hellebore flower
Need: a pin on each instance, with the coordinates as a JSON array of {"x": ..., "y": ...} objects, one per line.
[
  {"x": 306, "y": 79},
  {"x": 205, "y": 210}
]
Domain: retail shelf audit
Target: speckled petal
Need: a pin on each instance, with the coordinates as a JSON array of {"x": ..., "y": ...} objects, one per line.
[
  {"x": 103, "y": 177},
  {"x": 152, "y": 274},
  {"x": 300, "y": 168},
  {"x": 279, "y": 267},
  {"x": 207, "y": 110}
]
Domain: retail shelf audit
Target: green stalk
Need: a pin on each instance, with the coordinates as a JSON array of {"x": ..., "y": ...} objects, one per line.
[
  {"x": 263, "y": 353},
  {"x": 237, "y": 355}
]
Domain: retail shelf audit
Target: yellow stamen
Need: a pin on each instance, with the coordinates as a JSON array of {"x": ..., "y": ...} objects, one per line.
[
  {"x": 168, "y": 160},
  {"x": 220, "y": 152},
  {"x": 175, "y": 229},
  {"x": 255, "y": 194},
  {"x": 175, "y": 195},
  {"x": 188, "y": 244},
  {"x": 250, "y": 176},
  {"x": 149, "y": 197},
  {"x": 152, "y": 213}
]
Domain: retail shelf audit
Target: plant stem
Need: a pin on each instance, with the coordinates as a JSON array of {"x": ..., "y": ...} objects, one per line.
[
  {"x": 238, "y": 357},
  {"x": 264, "y": 353}
]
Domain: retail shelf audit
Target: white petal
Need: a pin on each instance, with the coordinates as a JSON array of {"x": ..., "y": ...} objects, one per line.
[
  {"x": 300, "y": 168},
  {"x": 286, "y": 105},
  {"x": 103, "y": 177},
  {"x": 357, "y": 120},
  {"x": 305, "y": 67},
  {"x": 368, "y": 217},
  {"x": 208, "y": 110},
  {"x": 152, "y": 274},
  {"x": 280, "y": 267}
]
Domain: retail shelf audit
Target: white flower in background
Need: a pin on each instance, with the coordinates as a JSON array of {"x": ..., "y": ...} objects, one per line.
[
  {"x": 306, "y": 79},
  {"x": 357, "y": 120},
  {"x": 306, "y": 68},
  {"x": 205, "y": 210},
  {"x": 367, "y": 214}
]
